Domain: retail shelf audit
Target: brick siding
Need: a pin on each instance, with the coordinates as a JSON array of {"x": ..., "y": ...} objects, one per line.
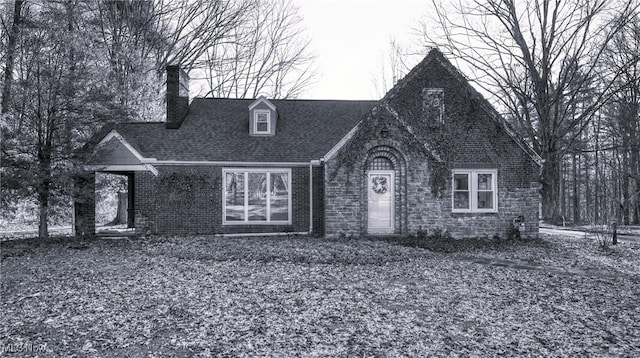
[
  {"x": 197, "y": 208},
  {"x": 483, "y": 144}
]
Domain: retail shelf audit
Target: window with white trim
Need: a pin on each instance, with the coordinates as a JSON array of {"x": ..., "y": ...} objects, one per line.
[
  {"x": 256, "y": 196},
  {"x": 261, "y": 122},
  {"x": 474, "y": 191}
]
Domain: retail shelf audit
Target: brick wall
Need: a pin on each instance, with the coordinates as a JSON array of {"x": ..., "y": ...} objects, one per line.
[
  {"x": 145, "y": 203},
  {"x": 188, "y": 199},
  {"x": 318, "y": 200},
  {"x": 417, "y": 206},
  {"x": 470, "y": 138}
]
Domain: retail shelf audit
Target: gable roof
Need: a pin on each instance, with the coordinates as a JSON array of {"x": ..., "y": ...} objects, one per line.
[
  {"x": 217, "y": 129},
  {"x": 435, "y": 55},
  {"x": 262, "y": 99},
  {"x": 385, "y": 105}
]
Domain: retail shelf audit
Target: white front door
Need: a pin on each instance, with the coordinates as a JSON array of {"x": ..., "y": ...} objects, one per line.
[{"x": 380, "y": 198}]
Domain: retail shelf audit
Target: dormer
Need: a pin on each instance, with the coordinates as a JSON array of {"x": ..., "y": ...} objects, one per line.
[{"x": 262, "y": 117}]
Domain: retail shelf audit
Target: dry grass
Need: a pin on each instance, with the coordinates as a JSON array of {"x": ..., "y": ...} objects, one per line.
[{"x": 203, "y": 296}]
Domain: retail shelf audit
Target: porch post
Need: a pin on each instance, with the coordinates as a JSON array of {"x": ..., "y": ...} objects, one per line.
[{"x": 131, "y": 208}]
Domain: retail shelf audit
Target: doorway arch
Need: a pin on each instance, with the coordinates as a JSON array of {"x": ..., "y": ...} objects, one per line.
[{"x": 383, "y": 192}]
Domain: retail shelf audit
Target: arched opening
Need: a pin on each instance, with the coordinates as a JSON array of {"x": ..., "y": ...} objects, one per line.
[
  {"x": 380, "y": 196},
  {"x": 382, "y": 192},
  {"x": 380, "y": 163}
]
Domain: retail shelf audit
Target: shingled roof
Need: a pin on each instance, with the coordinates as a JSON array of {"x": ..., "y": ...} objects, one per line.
[{"x": 217, "y": 129}]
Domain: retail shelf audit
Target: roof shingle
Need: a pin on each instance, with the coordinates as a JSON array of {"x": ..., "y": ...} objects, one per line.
[{"x": 217, "y": 129}]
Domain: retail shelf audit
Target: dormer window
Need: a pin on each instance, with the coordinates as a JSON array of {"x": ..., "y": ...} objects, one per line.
[
  {"x": 262, "y": 118},
  {"x": 262, "y": 121}
]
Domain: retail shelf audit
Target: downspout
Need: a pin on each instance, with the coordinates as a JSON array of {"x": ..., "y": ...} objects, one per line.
[
  {"x": 310, "y": 197},
  {"x": 311, "y": 164}
]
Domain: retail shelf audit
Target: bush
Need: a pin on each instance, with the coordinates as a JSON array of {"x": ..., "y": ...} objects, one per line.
[
  {"x": 603, "y": 235},
  {"x": 513, "y": 233},
  {"x": 442, "y": 241}
]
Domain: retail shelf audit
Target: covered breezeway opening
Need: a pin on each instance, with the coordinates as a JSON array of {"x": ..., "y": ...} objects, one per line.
[
  {"x": 108, "y": 182},
  {"x": 114, "y": 203}
]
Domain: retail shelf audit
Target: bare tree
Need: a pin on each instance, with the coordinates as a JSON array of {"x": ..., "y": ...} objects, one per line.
[
  {"x": 537, "y": 58},
  {"x": 140, "y": 38},
  {"x": 267, "y": 54},
  {"x": 624, "y": 120},
  {"x": 394, "y": 67},
  {"x": 191, "y": 27},
  {"x": 130, "y": 38},
  {"x": 12, "y": 37}
]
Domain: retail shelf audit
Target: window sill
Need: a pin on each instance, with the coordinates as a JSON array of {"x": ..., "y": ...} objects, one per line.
[
  {"x": 474, "y": 211},
  {"x": 257, "y": 223}
]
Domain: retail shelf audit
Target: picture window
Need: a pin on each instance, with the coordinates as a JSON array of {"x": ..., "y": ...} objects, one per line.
[{"x": 256, "y": 196}]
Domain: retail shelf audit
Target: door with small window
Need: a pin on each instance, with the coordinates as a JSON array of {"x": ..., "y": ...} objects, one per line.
[{"x": 380, "y": 190}]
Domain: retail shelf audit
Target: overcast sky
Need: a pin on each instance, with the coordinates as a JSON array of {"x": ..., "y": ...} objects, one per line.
[{"x": 351, "y": 38}]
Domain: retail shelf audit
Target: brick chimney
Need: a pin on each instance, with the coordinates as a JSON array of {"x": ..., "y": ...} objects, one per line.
[{"x": 177, "y": 96}]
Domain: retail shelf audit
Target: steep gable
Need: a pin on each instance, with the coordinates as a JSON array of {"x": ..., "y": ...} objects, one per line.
[
  {"x": 432, "y": 154},
  {"x": 114, "y": 150},
  {"x": 407, "y": 98}
]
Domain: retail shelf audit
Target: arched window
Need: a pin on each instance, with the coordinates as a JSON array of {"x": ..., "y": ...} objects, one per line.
[{"x": 380, "y": 163}]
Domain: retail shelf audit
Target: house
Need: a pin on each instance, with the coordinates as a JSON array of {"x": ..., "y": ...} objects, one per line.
[{"x": 432, "y": 153}]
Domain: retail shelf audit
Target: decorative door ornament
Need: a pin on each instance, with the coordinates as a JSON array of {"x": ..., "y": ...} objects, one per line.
[{"x": 379, "y": 184}]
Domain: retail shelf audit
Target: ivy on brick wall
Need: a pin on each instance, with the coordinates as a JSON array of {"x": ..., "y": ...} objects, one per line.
[
  {"x": 465, "y": 132},
  {"x": 437, "y": 142},
  {"x": 181, "y": 188}
]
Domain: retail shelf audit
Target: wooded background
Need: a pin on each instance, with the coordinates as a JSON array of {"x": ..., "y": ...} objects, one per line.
[
  {"x": 564, "y": 73},
  {"x": 70, "y": 67}
]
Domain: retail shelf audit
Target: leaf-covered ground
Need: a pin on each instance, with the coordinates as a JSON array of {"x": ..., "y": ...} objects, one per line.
[{"x": 205, "y": 296}]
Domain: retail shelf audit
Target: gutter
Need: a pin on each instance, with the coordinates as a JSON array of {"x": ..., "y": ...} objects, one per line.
[{"x": 311, "y": 165}]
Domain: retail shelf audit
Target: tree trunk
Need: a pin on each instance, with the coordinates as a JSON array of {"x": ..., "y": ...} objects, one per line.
[
  {"x": 588, "y": 197},
  {"x": 550, "y": 189},
  {"x": 634, "y": 168},
  {"x": 617, "y": 176},
  {"x": 636, "y": 206},
  {"x": 596, "y": 183},
  {"x": 562, "y": 182},
  {"x": 626, "y": 197},
  {"x": 43, "y": 206},
  {"x": 575, "y": 206},
  {"x": 43, "y": 186},
  {"x": 121, "y": 213},
  {"x": 11, "y": 49}
]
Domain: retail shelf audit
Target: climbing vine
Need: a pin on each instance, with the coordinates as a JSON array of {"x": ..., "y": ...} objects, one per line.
[
  {"x": 181, "y": 188},
  {"x": 419, "y": 131},
  {"x": 465, "y": 132}
]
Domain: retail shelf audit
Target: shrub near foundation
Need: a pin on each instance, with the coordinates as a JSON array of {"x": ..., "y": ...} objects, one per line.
[{"x": 442, "y": 241}]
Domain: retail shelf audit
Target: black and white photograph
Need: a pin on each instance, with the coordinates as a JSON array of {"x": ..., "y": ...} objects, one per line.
[{"x": 319, "y": 178}]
